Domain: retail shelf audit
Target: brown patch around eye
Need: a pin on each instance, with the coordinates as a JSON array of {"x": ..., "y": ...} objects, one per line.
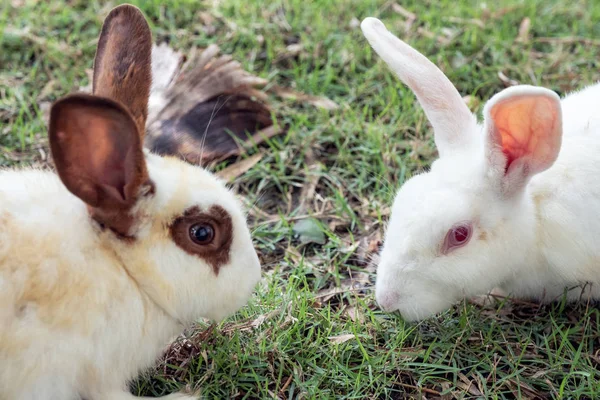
[
  {"x": 214, "y": 250},
  {"x": 483, "y": 236}
]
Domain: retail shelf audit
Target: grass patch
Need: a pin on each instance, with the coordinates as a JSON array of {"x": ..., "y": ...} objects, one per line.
[{"x": 312, "y": 330}]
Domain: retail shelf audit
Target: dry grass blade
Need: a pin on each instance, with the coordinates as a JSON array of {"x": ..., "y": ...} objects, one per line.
[
  {"x": 317, "y": 101},
  {"x": 472, "y": 21},
  {"x": 569, "y": 40},
  {"x": 291, "y": 51},
  {"x": 341, "y": 338},
  {"x": 418, "y": 389},
  {"x": 500, "y": 13},
  {"x": 182, "y": 352},
  {"x": 468, "y": 385},
  {"x": 506, "y": 80},
  {"x": 444, "y": 41},
  {"x": 368, "y": 249},
  {"x": 235, "y": 170},
  {"x": 523, "y": 36},
  {"x": 313, "y": 169},
  {"x": 355, "y": 314},
  {"x": 404, "y": 12}
]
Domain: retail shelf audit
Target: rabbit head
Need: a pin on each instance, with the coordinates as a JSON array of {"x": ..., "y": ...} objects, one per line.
[
  {"x": 176, "y": 229},
  {"x": 466, "y": 225}
]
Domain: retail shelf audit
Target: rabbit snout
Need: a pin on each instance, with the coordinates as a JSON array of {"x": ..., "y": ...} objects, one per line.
[{"x": 388, "y": 300}]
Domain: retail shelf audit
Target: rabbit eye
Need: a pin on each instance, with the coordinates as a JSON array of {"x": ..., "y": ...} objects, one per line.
[
  {"x": 457, "y": 236},
  {"x": 461, "y": 234},
  {"x": 202, "y": 234}
]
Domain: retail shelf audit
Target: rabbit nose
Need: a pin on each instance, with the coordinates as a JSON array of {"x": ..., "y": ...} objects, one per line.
[{"x": 388, "y": 301}]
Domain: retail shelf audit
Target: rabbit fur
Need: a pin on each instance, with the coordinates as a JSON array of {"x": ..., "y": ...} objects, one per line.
[
  {"x": 104, "y": 262},
  {"x": 511, "y": 203}
]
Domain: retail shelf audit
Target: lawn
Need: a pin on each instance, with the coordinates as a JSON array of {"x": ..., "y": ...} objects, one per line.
[{"x": 312, "y": 330}]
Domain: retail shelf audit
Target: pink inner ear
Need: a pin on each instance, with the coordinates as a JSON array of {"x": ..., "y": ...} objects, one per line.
[
  {"x": 106, "y": 160},
  {"x": 97, "y": 151},
  {"x": 528, "y": 129}
]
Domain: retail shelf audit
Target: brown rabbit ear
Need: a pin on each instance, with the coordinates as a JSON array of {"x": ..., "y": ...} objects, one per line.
[
  {"x": 98, "y": 155},
  {"x": 123, "y": 63}
]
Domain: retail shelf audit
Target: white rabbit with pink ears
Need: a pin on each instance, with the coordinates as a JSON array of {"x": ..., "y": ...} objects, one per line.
[{"x": 511, "y": 203}]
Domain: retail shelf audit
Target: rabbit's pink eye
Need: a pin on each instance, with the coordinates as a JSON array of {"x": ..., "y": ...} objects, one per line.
[
  {"x": 202, "y": 233},
  {"x": 457, "y": 236},
  {"x": 461, "y": 234}
]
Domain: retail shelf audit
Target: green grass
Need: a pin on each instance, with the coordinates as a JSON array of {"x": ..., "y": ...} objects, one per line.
[{"x": 280, "y": 346}]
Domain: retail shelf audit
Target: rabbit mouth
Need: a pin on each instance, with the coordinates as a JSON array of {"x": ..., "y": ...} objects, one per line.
[{"x": 389, "y": 301}]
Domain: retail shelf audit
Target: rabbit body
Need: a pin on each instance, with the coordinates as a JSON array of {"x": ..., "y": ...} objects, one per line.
[
  {"x": 559, "y": 204},
  {"x": 68, "y": 307},
  {"x": 511, "y": 202},
  {"x": 82, "y": 310},
  {"x": 104, "y": 262}
]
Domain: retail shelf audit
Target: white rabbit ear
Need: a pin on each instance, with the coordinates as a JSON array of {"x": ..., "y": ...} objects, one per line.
[
  {"x": 451, "y": 119},
  {"x": 523, "y": 125}
]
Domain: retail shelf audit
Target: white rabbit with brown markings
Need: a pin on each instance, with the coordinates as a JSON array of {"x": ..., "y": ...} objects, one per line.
[
  {"x": 104, "y": 262},
  {"x": 511, "y": 203}
]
